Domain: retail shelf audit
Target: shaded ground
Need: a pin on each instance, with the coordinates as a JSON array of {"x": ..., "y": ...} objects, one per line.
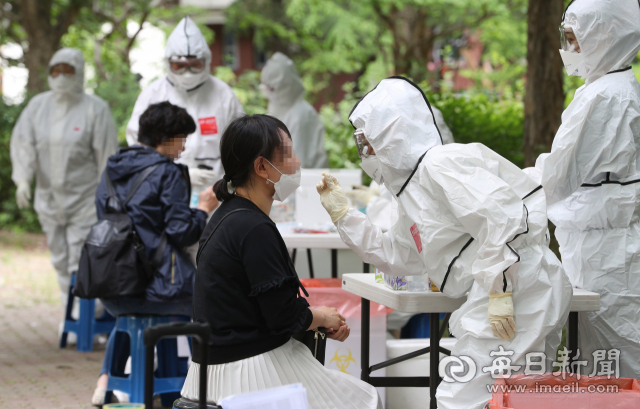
[{"x": 34, "y": 372}]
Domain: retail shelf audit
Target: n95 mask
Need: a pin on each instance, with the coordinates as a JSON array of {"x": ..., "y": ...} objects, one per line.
[
  {"x": 371, "y": 167},
  {"x": 574, "y": 63}
]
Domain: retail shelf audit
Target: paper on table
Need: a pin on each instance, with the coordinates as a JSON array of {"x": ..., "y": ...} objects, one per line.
[{"x": 284, "y": 397}]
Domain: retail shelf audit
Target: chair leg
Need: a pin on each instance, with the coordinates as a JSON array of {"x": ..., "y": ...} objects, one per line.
[{"x": 85, "y": 321}]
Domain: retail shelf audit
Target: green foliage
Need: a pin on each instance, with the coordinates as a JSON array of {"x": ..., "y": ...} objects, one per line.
[
  {"x": 246, "y": 88},
  {"x": 496, "y": 123},
  {"x": 10, "y": 216}
]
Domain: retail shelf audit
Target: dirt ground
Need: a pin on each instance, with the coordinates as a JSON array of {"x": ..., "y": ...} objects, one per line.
[{"x": 34, "y": 372}]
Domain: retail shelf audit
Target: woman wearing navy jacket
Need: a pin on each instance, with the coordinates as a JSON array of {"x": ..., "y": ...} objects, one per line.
[{"x": 159, "y": 207}]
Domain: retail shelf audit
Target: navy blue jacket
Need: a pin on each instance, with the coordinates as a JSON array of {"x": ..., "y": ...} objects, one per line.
[{"x": 160, "y": 204}]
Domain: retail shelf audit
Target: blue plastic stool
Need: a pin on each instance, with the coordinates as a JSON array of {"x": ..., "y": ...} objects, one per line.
[
  {"x": 171, "y": 372},
  {"x": 418, "y": 327},
  {"x": 86, "y": 326}
]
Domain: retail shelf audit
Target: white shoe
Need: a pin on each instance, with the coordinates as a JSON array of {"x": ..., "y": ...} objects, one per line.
[{"x": 98, "y": 397}]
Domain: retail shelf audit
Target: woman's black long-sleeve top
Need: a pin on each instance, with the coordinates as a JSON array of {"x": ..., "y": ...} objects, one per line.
[{"x": 246, "y": 286}]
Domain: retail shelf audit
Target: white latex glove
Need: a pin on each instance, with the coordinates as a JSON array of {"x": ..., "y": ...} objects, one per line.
[
  {"x": 360, "y": 195},
  {"x": 202, "y": 177},
  {"x": 332, "y": 197},
  {"x": 23, "y": 195},
  {"x": 501, "y": 315}
]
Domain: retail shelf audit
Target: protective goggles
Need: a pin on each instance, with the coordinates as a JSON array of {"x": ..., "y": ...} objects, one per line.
[
  {"x": 362, "y": 143},
  {"x": 180, "y": 64},
  {"x": 567, "y": 44}
]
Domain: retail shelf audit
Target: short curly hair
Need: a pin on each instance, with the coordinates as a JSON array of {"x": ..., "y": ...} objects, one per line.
[{"x": 163, "y": 121}]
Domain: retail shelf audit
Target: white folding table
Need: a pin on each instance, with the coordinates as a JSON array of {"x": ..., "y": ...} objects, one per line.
[
  {"x": 331, "y": 241},
  {"x": 434, "y": 303}
]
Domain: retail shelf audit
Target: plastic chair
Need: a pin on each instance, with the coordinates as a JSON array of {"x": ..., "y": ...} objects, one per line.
[
  {"x": 171, "y": 372},
  {"x": 86, "y": 326}
]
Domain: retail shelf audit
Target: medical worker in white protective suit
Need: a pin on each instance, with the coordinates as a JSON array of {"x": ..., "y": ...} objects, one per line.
[
  {"x": 63, "y": 138},
  {"x": 381, "y": 208},
  {"x": 468, "y": 218},
  {"x": 282, "y": 86},
  {"x": 210, "y": 101},
  {"x": 591, "y": 175}
]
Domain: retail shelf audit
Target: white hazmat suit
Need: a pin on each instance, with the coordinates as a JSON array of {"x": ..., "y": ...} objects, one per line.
[
  {"x": 64, "y": 137},
  {"x": 382, "y": 207},
  {"x": 472, "y": 221},
  {"x": 591, "y": 178},
  {"x": 282, "y": 85},
  {"x": 209, "y": 100}
]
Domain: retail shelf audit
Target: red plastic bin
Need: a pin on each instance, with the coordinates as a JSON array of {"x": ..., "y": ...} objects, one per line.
[{"x": 552, "y": 392}]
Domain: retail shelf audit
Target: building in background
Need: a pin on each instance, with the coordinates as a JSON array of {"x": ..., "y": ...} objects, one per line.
[{"x": 238, "y": 53}]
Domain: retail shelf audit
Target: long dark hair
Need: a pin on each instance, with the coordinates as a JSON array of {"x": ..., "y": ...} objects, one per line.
[{"x": 246, "y": 139}]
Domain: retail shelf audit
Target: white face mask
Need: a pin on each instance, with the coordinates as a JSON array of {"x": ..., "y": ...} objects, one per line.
[
  {"x": 286, "y": 185},
  {"x": 574, "y": 63},
  {"x": 371, "y": 167},
  {"x": 188, "y": 80},
  {"x": 62, "y": 83},
  {"x": 267, "y": 91}
]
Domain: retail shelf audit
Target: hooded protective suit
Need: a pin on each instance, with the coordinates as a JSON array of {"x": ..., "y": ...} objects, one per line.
[
  {"x": 64, "y": 137},
  {"x": 285, "y": 92},
  {"x": 210, "y": 101},
  {"x": 382, "y": 209},
  {"x": 590, "y": 178},
  {"x": 469, "y": 219}
]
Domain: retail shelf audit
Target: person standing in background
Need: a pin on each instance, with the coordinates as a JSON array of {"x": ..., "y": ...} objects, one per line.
[
  {"x": 63, "y": 137},
  {"x": 591, "y": 175},
  {"x": 283, "y": 87},
  {"x": 190, "y": 85}
]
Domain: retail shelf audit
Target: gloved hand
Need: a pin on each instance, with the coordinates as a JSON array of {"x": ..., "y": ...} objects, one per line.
[
  {"x": 332, "y": 197},
  {"x": 23, "y": 195},
  {"x": 360, "y": 195},
  {"x": 201, "y": 177},
  {"x": 501, "y": 315}
]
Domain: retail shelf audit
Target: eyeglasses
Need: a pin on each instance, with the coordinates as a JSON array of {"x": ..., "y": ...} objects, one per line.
[
  {"x": 180, "y": 64},
  {"x": 567, "y": 38},
  {"x": 364, "y": 148},
  {"x": 62, "y": 68}
]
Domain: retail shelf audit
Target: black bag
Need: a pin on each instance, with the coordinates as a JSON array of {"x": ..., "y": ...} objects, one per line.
[
  {"x": 152, "y": 335},
  {"x": 315, "y": 340},
  {"x": 113, "y": 262}
]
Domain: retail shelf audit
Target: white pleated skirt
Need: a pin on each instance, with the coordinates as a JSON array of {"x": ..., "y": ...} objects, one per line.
[{"x": 291, "y": 363}]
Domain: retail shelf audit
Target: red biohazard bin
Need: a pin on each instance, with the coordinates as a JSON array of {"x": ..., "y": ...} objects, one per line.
[
  {"x": 548, "y": 391},
  {"x": 329, "y": 292}
]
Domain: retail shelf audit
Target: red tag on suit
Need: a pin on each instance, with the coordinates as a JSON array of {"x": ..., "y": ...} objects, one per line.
[
  {"x": 415, "y": 233},
  {"x": 208, "y": 126}
]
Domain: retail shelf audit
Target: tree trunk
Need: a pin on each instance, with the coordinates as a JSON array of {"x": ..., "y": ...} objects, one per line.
[
  {"x": 544, "y": 98},
  {"x": 43, "y": 36}
]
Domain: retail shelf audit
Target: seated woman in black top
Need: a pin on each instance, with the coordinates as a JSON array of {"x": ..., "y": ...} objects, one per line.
[{"x": 247, "y": 288}]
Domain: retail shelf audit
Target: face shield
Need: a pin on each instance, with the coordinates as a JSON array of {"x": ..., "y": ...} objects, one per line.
[
  {"x": 182, "y": 64},
  {"x": 568, "y": 40},
  {"x": 364, "y": 148}
]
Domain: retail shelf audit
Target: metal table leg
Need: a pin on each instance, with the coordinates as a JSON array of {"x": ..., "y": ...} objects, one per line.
[
  {"x": 434, "y": 358},
  {"x": 365, "y": 320},
  {"x": 310, "y": 260},
  {"x": 334, "y": 263},
  {"x": 572, "y": 337}
]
